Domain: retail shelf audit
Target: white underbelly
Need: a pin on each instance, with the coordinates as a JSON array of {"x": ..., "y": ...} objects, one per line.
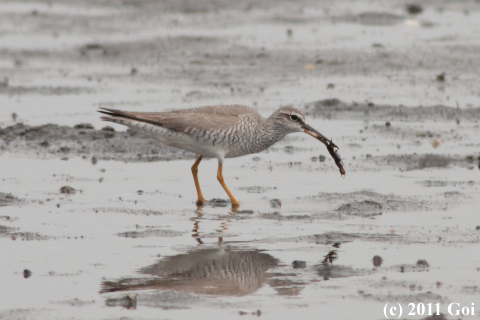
[{"x": 178, "y": 139}]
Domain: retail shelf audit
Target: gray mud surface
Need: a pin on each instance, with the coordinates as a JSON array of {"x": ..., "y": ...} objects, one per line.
[
  {"x": 54, "y": 141},
  {"x": 100, "y": 222}
]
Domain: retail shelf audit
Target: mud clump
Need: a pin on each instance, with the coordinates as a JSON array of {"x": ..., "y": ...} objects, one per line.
[
  {"x": 297, "y": 264},
  {"x": 414, "y": 8},
  {"x": 83, "y": 126},
  {"x": 7, "y": 199},
  {"x": 364, "y": 208},
  {"x": 422, "y": 263},
  {"x": 377, "y": 261},
  {"x": 27, "y": 273},
  {"x": 217, "y": 202},
  {"x": 276, "y": 203},
  {"x": 68, "y": 190},
  {"x": 432, "y": 161}
]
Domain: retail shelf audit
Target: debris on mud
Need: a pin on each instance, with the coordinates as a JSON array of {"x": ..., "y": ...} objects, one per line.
[
  {"x": 276, "y": 203},
  {"x": 366, "y": 208},
  {"x": 14, "y": 234},
  {"x": 7, "y": 199},
  {"x": 422, "y": 263},
  {"x": 128, "y": 301},
  {"x": 217, "y": 202},
  {"x": 68, "y": 190},
  {"x": 257, "y": 313}
]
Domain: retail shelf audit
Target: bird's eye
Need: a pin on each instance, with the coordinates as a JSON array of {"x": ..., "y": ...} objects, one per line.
[{"x": 293, "y": 117}]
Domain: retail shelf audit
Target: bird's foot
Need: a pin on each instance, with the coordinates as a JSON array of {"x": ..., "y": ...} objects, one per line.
[
  {"x": 200, "y": 203},
  {"x": 235, "y": 205}
]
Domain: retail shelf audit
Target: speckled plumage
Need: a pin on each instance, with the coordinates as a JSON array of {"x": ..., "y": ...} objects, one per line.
[{"x": 212, "y": 131}]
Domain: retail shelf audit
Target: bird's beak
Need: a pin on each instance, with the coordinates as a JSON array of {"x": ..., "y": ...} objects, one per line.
[{"x": 317, "y": 135}]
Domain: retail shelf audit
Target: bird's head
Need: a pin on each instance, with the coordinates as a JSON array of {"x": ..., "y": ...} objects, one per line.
[{"x": 291, "y": 120}]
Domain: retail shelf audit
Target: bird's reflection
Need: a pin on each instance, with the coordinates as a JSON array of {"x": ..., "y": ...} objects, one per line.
[
  {"x": 222, "y": 270},
  {"x": 330, "y": 257},
  {"x": 196, "y": 228},
  {"x": 213, "y": 271}
]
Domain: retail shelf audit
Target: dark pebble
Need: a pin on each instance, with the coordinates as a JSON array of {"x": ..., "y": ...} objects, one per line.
[
  {"x": 27, "y": 273},
  {"x": 377, "y": 261},
  {"x": 140, "y": 192},
  {"x": 387, "y": 124},
  {"x": 299, "y": 264},
  {"x": 276, "y": 203},
  {"x": 441, "y": 77},
  {"x": 422, "y": 263},
  {"x": 413, "y": 8},
  {"x": 322, "y": 158},
  {"x": 94, "y": 160}
]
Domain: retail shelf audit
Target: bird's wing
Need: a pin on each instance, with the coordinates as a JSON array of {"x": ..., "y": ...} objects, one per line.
[{"x": 201, "y": 118}]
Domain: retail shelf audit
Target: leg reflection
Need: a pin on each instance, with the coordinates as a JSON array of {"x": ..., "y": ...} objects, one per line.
[{"x": 196, "y": 228}]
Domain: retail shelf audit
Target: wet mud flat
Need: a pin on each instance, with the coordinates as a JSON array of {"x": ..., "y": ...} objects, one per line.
[
  {"x": 361, "y": 242},
  {"x": 99, "y": 222}
]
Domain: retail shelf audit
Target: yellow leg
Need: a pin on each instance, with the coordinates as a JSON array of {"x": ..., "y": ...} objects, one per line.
[
  {"x": 200, "y": 200},
  {"x": 235, "y": 203}
]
